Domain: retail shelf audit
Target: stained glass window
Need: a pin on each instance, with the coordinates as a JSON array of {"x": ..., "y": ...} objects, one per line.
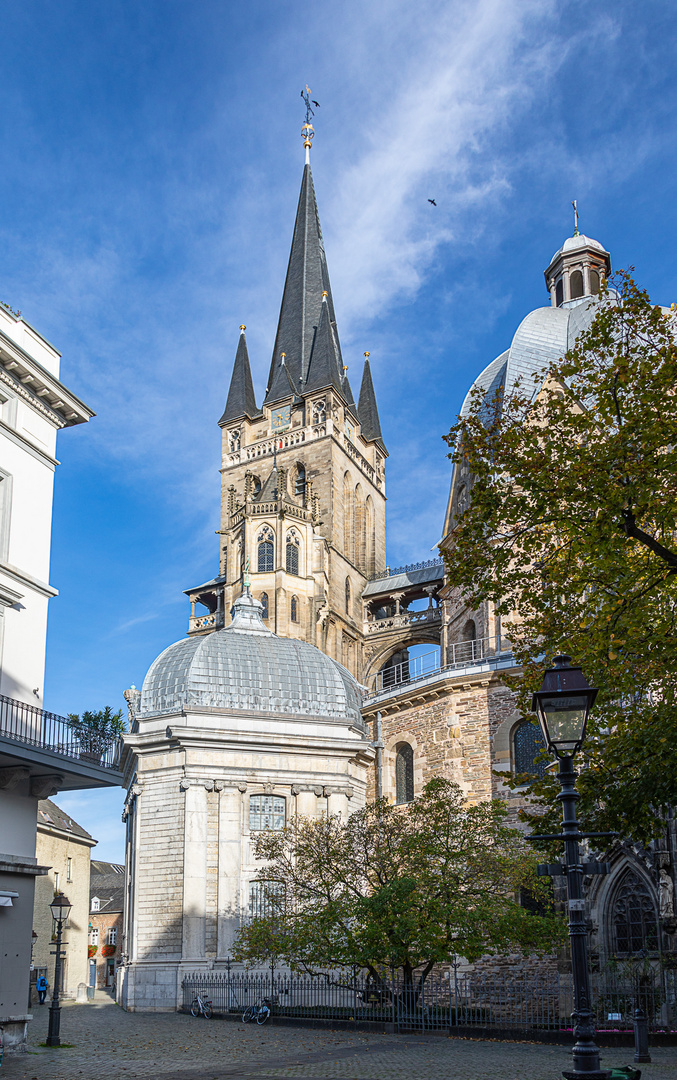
[
  {"x": 292, "y": 556},
  {"x": 404, "y": 773},
  {"x": 634, "y": 917},
  {"x": 266, "y": 812},
  {"x": 528, "y": 742},
  {"x": 265, "y": 562}
]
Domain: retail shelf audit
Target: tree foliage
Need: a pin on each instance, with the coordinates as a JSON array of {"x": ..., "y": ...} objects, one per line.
[
  {"x": 570, "y": 532},
  {"x": 96, "y": 731},
  {"x": 400, "y": 887}
]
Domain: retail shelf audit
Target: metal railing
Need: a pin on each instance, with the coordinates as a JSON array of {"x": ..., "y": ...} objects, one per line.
[
  {"x": 447, "y": 1000},
  {"x": 32, "y": 726},
  {"x": 388, "y": 572},
  {"x": 461, "y": 653}
]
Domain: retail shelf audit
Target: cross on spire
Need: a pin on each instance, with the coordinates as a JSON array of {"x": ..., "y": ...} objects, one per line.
[
  {"x": 308, "y": 131},
  {"x": 575, "y": 206}
]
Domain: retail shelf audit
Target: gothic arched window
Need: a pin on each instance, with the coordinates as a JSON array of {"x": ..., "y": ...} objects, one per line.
[
  {"x": 576, "y": 285},
  {"x": 264, "y": 600},
  {"x": 294, "y": 609},
  {"x": 360, "y": 528},
  {"x": 347, "y": 596},
  {"x": 292, "y": 553},
  {"x": 300, "y": 481},
  {"x": 404, "y": 773},
  {"x": 348, "y": 542},
  {"x": 370, "y": 526},
  {"x": 265, "y": 556},
  {"x": 633, "y": 917},
  {"x": 234, "y": 440},
  {"x": 256, "y": 487},
  {"x": 527, "y": 745},
  {"x": 319, "y": 411}
]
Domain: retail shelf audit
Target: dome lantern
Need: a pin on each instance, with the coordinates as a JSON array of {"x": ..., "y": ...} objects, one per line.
[{"x": 577, "y": 270}]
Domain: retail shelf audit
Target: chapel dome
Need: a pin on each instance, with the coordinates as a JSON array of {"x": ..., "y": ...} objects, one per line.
[{"x": 247, "y": 667}]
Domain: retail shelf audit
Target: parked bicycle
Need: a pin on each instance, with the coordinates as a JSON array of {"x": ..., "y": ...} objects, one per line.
[
  {"x": 201, "y": 1007},
  {"x": 259, "y": 1011}
]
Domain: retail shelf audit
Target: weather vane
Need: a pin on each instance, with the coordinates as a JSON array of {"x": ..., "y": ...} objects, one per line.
[
  {"x": 308, "y": 131},
  {"x": 575, "y": 206}
]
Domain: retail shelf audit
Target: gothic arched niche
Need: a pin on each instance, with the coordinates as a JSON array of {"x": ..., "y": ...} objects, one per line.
[{"x": 632, "y": 921}]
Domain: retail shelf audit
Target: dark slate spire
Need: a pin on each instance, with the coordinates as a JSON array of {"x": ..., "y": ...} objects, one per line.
[
  {"x": 324, "y": 368},
  {"x": 370, "y": 425},
  {"x": 241, "y": 399},
  {"x": 307, "y": 278}
]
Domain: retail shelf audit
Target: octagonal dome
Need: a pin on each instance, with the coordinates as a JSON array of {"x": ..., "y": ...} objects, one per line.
[{"x": 247, "y": 667}]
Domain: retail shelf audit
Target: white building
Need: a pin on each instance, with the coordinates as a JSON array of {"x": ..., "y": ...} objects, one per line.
[
  {"x": 238, "y": 730},
  {"x": 34, "y": 405},
  {"x": 39, "y": 755}
]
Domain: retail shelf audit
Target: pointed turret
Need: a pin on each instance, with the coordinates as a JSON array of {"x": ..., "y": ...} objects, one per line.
[
  {"x": 324, "y": 370},
  {"x": 370, "y": 424},
  {"x": 241, "y": 399},
  {"x": 307, "y": 279}
]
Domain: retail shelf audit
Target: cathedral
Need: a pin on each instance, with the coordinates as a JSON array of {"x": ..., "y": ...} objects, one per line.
[{"x": 301, "y": 687}]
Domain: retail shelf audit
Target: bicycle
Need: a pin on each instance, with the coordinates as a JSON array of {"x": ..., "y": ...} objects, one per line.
[
  {"x": 259, "y": 1011},
  {"x": 201, "y": 1007}
]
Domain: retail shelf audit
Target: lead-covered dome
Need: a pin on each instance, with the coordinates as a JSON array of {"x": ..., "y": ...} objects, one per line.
[{"x": 246, "y": 666}]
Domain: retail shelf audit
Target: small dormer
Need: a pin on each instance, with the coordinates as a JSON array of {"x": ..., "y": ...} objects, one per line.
[{"x": 577, "y": 270}]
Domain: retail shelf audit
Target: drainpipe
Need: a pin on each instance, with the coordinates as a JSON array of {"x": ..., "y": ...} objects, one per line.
[{"x": 378, "y": 746}]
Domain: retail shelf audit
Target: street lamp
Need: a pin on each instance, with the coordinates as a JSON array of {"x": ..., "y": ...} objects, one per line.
[
  {"x": 563, "y": 705},
  {"x": 61, "y": 909}
]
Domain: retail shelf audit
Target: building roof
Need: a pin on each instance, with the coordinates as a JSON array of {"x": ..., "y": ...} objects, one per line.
[
  {"x": 52, "y": 817},
  {"x": 307, "y": 278},
  {"x": 367, "y": 410},
  {"x": 241, "y": 400},
  {"x": 403, "y": 579},
  {"x": 247, "y": 667},
  {"x": 107, "y": 882}
]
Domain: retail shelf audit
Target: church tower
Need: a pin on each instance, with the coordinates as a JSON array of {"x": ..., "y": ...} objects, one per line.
[{"x": 303, "y": 476}]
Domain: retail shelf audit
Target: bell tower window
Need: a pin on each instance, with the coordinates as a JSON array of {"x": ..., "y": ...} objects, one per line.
[
  {"x": 559, "y": 293},
  {"x": 265, "y": 552},
  {"x": 234, "y": 440},
  {"x": 576, "y": 285},
  {"x": 594, "y": 282},
  {"x": 300, "y": 482}
]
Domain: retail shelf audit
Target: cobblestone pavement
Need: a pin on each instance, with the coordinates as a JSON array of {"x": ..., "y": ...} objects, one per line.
[{"x": 109, "y": 1043}]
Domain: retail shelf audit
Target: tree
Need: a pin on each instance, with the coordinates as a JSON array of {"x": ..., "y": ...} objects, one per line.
[
  {"x": 397, "y": 887},
  {"x": 570, "y": 533},
  {"x": 97, "y": 731}
]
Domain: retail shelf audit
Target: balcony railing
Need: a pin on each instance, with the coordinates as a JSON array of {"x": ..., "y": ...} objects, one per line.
[
  {"x": 31, "y": 726},
  {"x": 408, "y": 569},
  {"x": 206, "y": 622},
  {"x": 462, "y": 654},
  {"x": 405, "y": 618}
]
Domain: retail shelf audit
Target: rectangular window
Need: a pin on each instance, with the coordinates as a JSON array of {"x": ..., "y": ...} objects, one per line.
[
  {"x": 266, "y": 812},
  {"x": 69, "y": 869},
  {"x": 56, "y": 881},
  {"x": 94, "y": 936},
  {"x": 5, "y": 513},
  {"x": 112, "y": 936},
  {"x": 95, "y": 903}
]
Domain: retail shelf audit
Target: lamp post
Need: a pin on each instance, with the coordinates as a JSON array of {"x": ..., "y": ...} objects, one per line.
[
  {"x": 61, "y": 909},
  {"x": 563, "y": 705}
]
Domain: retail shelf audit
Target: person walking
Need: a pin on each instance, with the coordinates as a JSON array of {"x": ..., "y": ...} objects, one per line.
[{"x": 41, "y": 987}]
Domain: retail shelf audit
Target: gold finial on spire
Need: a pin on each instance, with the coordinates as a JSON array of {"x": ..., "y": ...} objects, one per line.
[
  {"x": 242, "y": 327},
  {"x": 575, "y": 206},
  {"x": 325, "y": 294},
  {"x": 367, "y": 354},
  {"x": 308, "y": 131}
]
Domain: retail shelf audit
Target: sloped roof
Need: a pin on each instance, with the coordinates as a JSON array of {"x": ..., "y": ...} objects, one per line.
[
  {"x": 52, "y": 816},
  {"x": 323, "y": 370},
  {"x": 367, "y": 410}
]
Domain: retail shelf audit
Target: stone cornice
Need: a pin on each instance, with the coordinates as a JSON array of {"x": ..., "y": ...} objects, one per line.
[
  {"x": 42, "y": 390},
  {"x": 27, "y": 579}
]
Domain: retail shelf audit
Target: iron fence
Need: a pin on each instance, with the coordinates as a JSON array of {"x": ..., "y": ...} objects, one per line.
[
  {"x": 522, "y": 1002},
  {"x": 34, "y": 727},
  {"x": 408, "y": 569},
  {"x": 460, "y": 654}
]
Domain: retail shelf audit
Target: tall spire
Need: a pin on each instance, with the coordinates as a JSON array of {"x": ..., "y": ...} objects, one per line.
[
  {"x": 241, "y": 399},
  {"x": 307, "y": 279},
  {"x": 370, "y": 425}
]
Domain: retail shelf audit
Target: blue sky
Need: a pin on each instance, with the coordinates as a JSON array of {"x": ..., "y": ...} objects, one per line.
[{"x": 151, "y": 165}]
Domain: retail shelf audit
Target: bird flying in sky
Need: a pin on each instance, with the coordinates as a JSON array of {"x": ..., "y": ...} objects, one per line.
[{"x": 432, "y": 201}]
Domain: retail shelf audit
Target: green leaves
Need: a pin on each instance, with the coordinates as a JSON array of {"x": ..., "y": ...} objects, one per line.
[
  {"x": 570, "y": 534},
  {"x": 398, "y": 886}
]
